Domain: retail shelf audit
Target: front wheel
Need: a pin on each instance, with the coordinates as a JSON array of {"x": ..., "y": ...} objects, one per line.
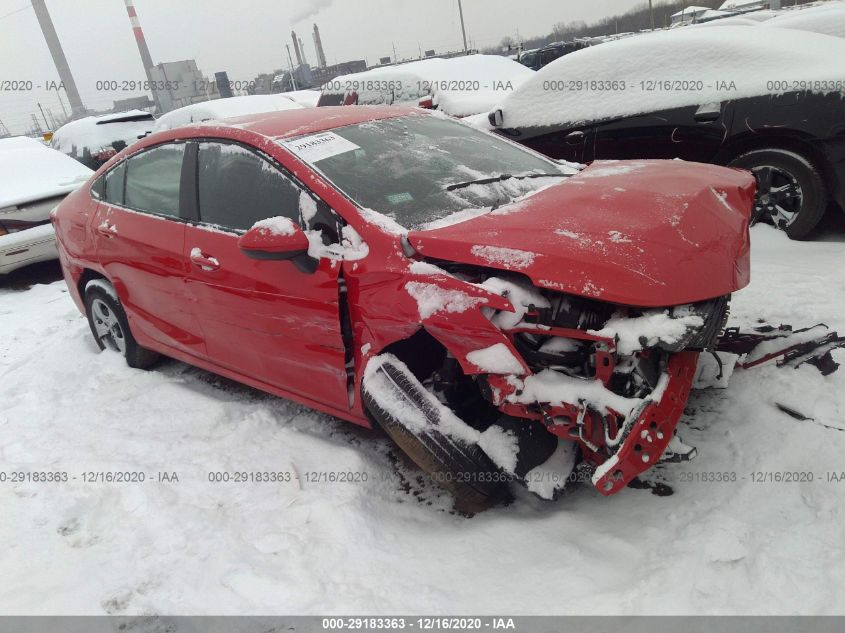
[
  {"x": 790, "y": 191},
  {"x": 111, "y": 328}
]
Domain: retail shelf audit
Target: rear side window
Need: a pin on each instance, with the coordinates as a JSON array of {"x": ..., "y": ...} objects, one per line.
[
  {"x": 152, "y": 180},
  {"x": 113, "y": 192},
  {"x": 237, "y": 188}
]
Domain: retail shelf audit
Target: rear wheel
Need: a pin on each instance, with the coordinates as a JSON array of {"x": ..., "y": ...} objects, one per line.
[
  {"x": 790, "y": 192},
  {"x": 111, "y": 328},
  {"x": 415, "y": 420}
]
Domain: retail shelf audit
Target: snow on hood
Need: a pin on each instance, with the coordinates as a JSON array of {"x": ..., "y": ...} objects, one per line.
[
  {"x": 460, "y": 86},
  {"x": 645, "y": 233},
  {"x": 225, "y": 109},
  {"x": 97, "y": 133},
  {"x": 828, "y": 19},
  {"x": 731, "y": 62},
  {"x": 31, "y": 171}
]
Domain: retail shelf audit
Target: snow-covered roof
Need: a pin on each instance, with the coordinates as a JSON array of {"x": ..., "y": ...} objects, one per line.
[
  {"x": 828, "y": 19},
  {"x": 224, "y": 109},
  {"x": 96, "y": 133},
  {"x": 307, "y": 98},
  {"x": 460, "y": 86},
  {"x": 731, "y": 62},
  {"x": 690, "y": 11},
  {"x": 733, "y": 5},
  {"x": 731, "y": 21},
  {"x": 30, "y": 171}
]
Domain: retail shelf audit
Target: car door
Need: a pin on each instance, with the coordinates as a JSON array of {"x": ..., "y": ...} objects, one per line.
[
  {"x": 267, "y": 320},
  {"x": 694, "y": 133},
  {"x": 139, "y": 241}
]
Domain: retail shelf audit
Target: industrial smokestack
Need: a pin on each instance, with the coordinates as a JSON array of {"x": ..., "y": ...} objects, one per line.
[
  {"x": 65, "y": 76},
  {"x": 318, "y": 46},
  {"x": 302, "y": 50},
  {"x": 296, "y": 50},
  {"x": 146, "y": 60}
]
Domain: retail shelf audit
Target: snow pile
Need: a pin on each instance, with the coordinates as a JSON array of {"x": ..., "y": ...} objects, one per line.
[
  {"x": 635, "y": 333},
  {"x": 228, "y": 108},
  {"x": 98, "y": 133},
  {"x": 496, "y": 359},
  {"x": 276, "y": 226},
  {"x": 729, "y": 63},
  {"x": 552, "y": 387},
  {"x": 553, "y": 474},
  {"x": 828, "y": 19},
  {"x": 432, "y": 299},
  {"x": 509, "y": 257},
  {"x": 31, "y": 171},
  {"x": 195, "y": 547},
  {"x": 459, "y": 86}
]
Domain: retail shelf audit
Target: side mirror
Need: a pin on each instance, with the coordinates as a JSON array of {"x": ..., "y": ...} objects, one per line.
[
  {"x": 496, "y": 118},
  {"x": 278, "y": 239}
]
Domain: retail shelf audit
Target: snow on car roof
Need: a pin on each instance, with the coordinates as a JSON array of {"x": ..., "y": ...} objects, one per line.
[
  {"x": 717, "y": 64},
  {"x": 307, "y": 98},
  {"x": 229, "y": 107},
  {"x": 30, "y": 171},
  {"x": 828, "y": 19},
  {"x": 460, "y": 86},
  {"x": 96, "y": 133}
]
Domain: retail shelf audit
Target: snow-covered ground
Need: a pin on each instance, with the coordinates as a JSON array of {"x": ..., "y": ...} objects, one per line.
[{"x": 309, "y": 546}]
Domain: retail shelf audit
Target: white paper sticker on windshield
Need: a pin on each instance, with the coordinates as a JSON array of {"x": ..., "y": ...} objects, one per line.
[{"x": 319, "y": 146}]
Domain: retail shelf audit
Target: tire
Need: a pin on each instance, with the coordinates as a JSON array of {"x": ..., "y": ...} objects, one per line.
[
  {"x": 779, "y": 173},
  {"x": 461, "y": 468},
  {"x": 110, "y": 327}
]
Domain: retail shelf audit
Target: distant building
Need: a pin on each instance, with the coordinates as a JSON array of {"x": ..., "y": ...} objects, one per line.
[
  {"x": 304, "y": 77},
  {"x": 749, "y": 5},
  {"x": 181, "y": 83},
  {"x": 133, "y": 103}
]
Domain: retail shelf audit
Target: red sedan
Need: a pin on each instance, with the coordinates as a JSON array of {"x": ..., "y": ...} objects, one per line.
[{"x": 500, "y": 315}]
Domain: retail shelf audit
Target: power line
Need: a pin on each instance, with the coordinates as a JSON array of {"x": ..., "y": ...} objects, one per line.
[{"x": 15, "y": 11}]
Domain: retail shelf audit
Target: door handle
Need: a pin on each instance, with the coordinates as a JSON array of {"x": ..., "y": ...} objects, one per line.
[
  {"x": 205, "y": 262},
  {"x": 106, "y": 229},
  {"x": 575, "y": 138}
]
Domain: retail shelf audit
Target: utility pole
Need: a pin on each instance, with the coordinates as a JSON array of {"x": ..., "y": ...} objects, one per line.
[
  {"x": 290, "y": 62},
  {"x": 651, "y": 13},
  {"x": 463, "y": 28},
  {"x": 44, "y": 116},
  {"x": 59, "y": 59}
]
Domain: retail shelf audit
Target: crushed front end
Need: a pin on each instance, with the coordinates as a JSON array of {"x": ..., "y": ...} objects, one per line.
[{"x": 613, "y": 379}]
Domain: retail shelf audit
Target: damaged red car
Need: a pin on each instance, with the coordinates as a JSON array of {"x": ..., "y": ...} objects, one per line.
[{"x": 500, "y": 315}]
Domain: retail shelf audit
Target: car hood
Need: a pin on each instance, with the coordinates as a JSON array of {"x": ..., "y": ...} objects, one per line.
[{"x": 639, "y": 233}]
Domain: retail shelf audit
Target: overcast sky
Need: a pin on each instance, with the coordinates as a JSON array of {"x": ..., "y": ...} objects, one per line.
[{"x": 248, "y": 37}]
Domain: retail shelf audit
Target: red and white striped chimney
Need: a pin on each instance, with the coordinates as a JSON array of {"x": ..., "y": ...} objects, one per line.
[{"x": 146, "y": 59}]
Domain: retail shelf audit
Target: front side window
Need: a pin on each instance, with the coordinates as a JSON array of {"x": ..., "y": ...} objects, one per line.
[
  {"x": 419, "y": 169},
  {"x": 237, "y": 188},
  {"x": 152, "y": 180}
]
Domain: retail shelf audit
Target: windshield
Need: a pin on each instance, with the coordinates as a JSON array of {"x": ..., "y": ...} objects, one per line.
[{"x": 419, "y": 169}]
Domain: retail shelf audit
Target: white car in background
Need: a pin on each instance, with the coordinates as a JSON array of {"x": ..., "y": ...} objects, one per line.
[
  {"x": 92, "y": 140},
  {"x": 458, "y": 86},
  {"x": 224, "y": 109},
  {"x": 33, "y": 180}
]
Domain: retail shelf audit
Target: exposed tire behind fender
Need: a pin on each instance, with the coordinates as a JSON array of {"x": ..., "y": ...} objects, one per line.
[
  {"x": 110, "y": 327},
  {"x": 411, "y": 416},
  {"x": 790, "y": 189}
]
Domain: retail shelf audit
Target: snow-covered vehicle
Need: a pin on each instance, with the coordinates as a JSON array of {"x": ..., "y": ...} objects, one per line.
[
  {"x": 92, "y": 140},
  {"x": 458, "y": 86},
  {"x": 500, "y": 315},
  {"x": 226, "y": 108},
  {"x": 828, "y": 19},
  {"x": 764, "y": 99},
  {"x": 33, "y": 180}
]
